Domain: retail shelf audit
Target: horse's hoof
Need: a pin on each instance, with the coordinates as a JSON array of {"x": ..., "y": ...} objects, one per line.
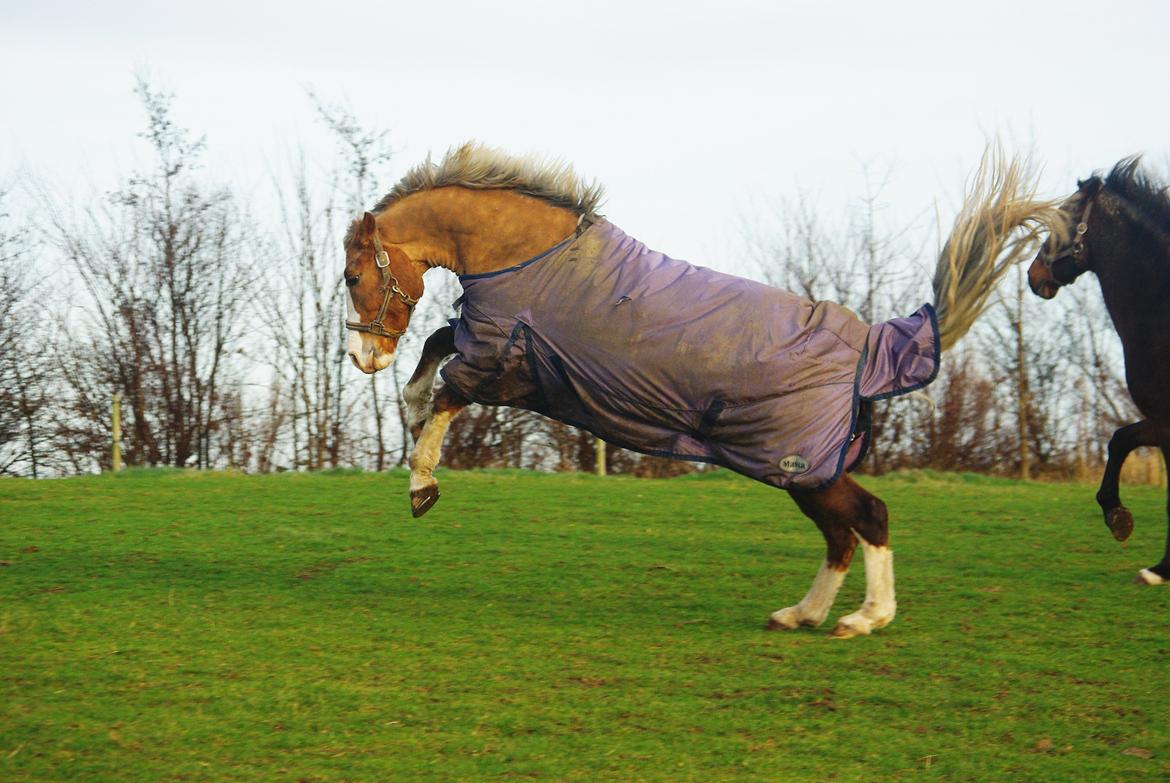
[
  {"x": 859, "y": 624},
  {"x": 844, "y": 630},
  {"x": 1120, "y": 522},
  {"x": 791, "y": 618},
  {"x": 421, "y": 500},
  {"x": 1148, "y": 577},
  {"x": 783, "y": 620}
]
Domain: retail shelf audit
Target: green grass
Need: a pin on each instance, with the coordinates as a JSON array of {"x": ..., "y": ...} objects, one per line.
[{"x": 168, "y": 626}]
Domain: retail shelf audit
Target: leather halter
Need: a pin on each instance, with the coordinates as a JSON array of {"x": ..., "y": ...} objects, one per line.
[
  {"x": 389, "y": 288},
  {"x": 1075, "y": 252},
  {"x": 1077, "y": 249}
]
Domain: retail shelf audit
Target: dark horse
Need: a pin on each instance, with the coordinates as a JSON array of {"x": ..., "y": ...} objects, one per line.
[
  {"x": 564, "y": 314},
  {"x": 1119, "y": 229}
]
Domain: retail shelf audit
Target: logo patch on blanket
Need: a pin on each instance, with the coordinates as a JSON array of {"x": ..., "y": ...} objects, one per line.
[{"x": 794, "y": 463}]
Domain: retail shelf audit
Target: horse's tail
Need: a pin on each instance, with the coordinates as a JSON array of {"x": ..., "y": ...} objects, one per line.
[{"x": 998, "y": 225}]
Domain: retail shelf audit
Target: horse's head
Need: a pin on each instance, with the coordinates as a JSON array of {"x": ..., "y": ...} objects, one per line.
[
  {"x": 1065, "y": 255},
  {"x": 383, "y": 285}
]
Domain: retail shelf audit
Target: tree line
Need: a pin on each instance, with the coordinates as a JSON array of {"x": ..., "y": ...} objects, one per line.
[{"x": 221, "y": 329}]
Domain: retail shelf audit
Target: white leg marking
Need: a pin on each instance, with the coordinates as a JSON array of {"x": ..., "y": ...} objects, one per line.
[
  {"x": 426, "y": 452},
  {"x": 418, "y": 395},
  {"x": 814, "y": 607},
  {"x": 879, "y": 606},
  {"x": 1148, "y": 577}
]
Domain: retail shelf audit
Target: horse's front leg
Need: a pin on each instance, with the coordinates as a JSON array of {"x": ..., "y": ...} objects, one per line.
[
  {"x": 420, "y": 388},
  {"x": 1118, "y": 518},
  {"x": 424, "y": 489}
]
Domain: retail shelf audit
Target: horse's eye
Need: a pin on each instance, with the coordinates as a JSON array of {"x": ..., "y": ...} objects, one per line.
[{"x": 351, "y": 280}]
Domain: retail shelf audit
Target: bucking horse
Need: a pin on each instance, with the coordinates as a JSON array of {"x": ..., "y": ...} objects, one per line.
[{"x": 564, "y": 314}]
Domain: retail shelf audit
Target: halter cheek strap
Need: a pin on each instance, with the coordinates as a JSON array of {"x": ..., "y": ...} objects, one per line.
[
  {"x": 389, "y": 288},
  {"x": 1075, "y": 254},
  {"x": 1078, "y": 247}
]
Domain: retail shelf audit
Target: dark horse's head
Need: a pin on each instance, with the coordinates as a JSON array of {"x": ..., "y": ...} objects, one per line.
[
  {"x": 1123, "y": 214},
  {"x": 1065, "y": 255}
]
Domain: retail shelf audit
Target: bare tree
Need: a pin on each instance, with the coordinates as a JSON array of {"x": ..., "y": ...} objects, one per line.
[
  {"x": 958, "y": 434},
  {"x": 24, "y": 393},
  {"x": 1058, "y": 369},
  {"x": 163, "y": 263},
  {"x": 364, "y": 155},
  {"x": 303, "y": 314}
]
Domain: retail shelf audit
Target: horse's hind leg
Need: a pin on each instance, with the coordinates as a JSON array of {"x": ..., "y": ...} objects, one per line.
[
  {"x": 1159, "y": 574},
  {"x": 832, "y": 510},
  {"x": 814, "y": 607},
  {"x": 845, "y": 514},
  {"x": 871, "y": 526}
]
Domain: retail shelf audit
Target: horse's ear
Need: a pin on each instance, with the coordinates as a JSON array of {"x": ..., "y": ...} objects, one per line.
[
  {"x": 1089, "y": 187},
  {"x": 369, "y": 224}
]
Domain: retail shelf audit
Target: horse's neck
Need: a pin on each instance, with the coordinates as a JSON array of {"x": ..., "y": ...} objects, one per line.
[
  {"x": 1135, "y": 283},
  {"x": 474, "y": 231}
]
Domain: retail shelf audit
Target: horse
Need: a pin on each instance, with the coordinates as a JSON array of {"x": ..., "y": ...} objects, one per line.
[
  {"x": 1118, "y": 227},
  {"x": 564, "y": 314}
]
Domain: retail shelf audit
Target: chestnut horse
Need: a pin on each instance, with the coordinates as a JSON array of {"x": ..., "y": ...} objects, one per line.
[
  {"x": 1119, "y": 229},
  {"x": 500, "y": 222}
]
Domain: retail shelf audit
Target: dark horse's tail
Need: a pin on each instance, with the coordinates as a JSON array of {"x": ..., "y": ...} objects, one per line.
[{"x": 1000, "y": 223}]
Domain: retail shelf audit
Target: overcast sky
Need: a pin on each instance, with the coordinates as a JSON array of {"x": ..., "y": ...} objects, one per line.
[{"x": 687, "y": 112}]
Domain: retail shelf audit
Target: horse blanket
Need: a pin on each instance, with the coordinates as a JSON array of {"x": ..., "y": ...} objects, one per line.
[{"x": 666, "y": 358}]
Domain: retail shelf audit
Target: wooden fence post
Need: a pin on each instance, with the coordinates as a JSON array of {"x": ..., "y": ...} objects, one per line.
[
  {"x": 599, "y": 455},
  {"x": 117, "y": 449}
]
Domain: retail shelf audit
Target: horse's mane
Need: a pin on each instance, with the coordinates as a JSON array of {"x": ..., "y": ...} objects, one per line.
[
  {"x": 474, "y": 165},
  {"x": 1145, "y": 200}
]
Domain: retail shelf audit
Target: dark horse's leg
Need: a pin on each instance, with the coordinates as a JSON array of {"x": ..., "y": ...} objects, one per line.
[
  {"x": 1160, "y": 574},
  {"x": 1118, "y": 518},
  {"x": 846, "y": 514}
]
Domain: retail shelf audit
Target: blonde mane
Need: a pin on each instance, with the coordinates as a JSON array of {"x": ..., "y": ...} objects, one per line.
[{"x": 474, "y": 165}]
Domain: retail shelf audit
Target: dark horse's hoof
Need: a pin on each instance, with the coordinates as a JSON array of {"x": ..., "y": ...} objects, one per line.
[
  {"x": 1120, "y": 522},
  {"x": 421, "y": 500}
]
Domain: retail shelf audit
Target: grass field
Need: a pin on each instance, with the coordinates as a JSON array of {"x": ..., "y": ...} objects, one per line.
[{"x": 166, "y": 626}]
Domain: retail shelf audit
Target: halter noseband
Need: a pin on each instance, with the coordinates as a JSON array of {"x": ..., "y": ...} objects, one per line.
[{"x": 389, "y": 288}]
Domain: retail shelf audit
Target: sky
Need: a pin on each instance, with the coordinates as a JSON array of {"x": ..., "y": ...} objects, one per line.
[{"x": 690, "y": 114}]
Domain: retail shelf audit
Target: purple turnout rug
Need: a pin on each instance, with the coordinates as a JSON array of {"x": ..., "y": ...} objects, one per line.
[{"x": 664, "y": 357}]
